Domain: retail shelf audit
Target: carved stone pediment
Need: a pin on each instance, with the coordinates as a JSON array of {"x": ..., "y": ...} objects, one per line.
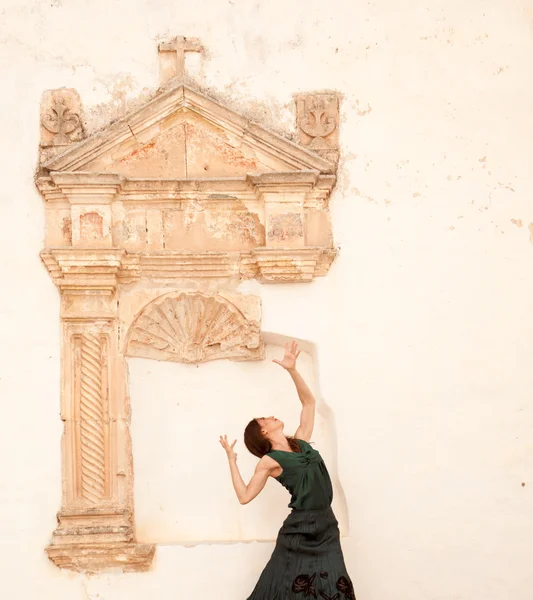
[{"x": 183, "y": 134}]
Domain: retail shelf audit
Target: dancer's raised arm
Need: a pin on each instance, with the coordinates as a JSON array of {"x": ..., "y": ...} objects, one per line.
[{"x": 307, "y": 416}]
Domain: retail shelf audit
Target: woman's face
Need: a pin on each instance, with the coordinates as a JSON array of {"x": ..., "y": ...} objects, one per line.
[{"x": 269, "y": 425}]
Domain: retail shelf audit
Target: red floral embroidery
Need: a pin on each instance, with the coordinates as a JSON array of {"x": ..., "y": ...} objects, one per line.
[
  {"x": 305, "y": 584},
  {"x": 344, "y": 585}
]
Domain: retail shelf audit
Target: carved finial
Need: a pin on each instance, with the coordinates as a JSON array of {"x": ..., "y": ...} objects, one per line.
[
  {"x": 318, "y": 124},
  {"x": 317, "y": 117},
  {"x": 172, "y": 57},
  {"x": 60, "y": 117}
]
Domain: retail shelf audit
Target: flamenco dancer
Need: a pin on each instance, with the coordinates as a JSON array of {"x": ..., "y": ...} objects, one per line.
[{"x": 307, "y": 561}]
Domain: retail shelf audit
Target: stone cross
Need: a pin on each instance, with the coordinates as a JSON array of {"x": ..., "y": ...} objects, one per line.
[{"x": 172, "y": 57}]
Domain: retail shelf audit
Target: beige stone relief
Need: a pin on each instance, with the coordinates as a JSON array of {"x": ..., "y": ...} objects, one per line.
[
  {"x": 192, "y": 327},
  {"x": 317, "y": 116},
  {"x": 166, "y": 210},
  {"x": 61, "y": 121},
  {"x": 172, "y": 57}
]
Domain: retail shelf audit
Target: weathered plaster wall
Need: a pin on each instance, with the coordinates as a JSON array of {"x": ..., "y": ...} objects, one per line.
[
  {"x": 423, "y": 327},
  {"x": 178, "y": 412}
]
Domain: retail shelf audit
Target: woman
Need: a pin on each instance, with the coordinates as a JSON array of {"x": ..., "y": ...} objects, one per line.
[{"x": 307, "y": 561}]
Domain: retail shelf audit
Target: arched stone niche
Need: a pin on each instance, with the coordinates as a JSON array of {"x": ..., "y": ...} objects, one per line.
[
  {"x": 151, "y": 224},
  {"x": 183, "y": 491}
]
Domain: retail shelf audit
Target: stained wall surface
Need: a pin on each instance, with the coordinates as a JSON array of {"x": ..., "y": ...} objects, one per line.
[
  {"x": 178, "y": 413},
  {"x": 423, "y": 327}
]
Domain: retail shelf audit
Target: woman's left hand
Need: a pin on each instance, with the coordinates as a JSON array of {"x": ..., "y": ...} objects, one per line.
[{"x": 289, "y": 360}]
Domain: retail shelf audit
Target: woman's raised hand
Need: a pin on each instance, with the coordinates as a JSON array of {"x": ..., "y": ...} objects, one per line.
[
  {"x": 291, "y": 354},
  {"x": 232, "y": 455}
]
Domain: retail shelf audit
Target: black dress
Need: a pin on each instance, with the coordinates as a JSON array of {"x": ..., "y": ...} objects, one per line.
[{"x": 307, "y": 561}]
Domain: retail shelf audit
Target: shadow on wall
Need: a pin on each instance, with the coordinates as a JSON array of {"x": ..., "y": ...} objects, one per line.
[
  {"x": 182, "y": 487},
  {"x": 325, "y": 433}
]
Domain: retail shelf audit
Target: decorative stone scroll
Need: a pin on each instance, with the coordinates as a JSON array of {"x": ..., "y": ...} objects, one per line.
[
  {"x": 317, "y": 116},
  {"x": 149, "y": 223},
  {"x": 60, "y": 117}
]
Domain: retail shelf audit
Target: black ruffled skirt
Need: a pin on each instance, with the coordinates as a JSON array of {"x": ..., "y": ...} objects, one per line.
[{"x": 307, "y": 561}]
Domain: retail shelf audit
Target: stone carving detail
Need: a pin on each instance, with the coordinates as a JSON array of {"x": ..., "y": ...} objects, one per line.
[
  {"x": 172, "y": 57},
  {"x": 92, "y": 418},
  {"x": 60, "y": 118},
  {"x": 61, "y": 122},
  {"x": 285, "y": 226},
  {"x": 318, "y": 124},
  {"x": 193, "y": 328},
  {"x": 95, "y": 524},
  {"x": 317, "y": 116},
  {"x": 181, "y": 194},
  {"x": 91, "y": 226}
]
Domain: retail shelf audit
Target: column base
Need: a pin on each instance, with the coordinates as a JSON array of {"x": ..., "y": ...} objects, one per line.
[
  {"x": 94, "y": 558},
  {"x": 96, "y": 539}
]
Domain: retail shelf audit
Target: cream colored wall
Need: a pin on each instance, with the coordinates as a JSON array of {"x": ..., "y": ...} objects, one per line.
[
  {"x": 423, "y": 328},
  {"x": 183, "y": 491}
]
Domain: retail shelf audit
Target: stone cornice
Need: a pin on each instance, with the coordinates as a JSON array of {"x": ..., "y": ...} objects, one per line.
[
  {"x": 84, "y": 269},
  {"x": 103, "y": 188},
  {"x": 74, "y": 269}
]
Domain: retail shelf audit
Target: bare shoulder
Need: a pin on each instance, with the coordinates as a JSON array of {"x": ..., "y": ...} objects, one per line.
[{"x": 267, "y": 463}]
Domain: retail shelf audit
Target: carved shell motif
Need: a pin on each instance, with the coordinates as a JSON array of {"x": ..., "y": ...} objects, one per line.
[{"x": 192, "y": 328}]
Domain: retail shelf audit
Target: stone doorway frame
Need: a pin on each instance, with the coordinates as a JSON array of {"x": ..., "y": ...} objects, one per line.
[{"x": 125, "y": 290}]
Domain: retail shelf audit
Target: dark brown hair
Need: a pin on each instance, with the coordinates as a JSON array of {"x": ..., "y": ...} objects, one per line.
[{"x": 258, "y": 445}]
